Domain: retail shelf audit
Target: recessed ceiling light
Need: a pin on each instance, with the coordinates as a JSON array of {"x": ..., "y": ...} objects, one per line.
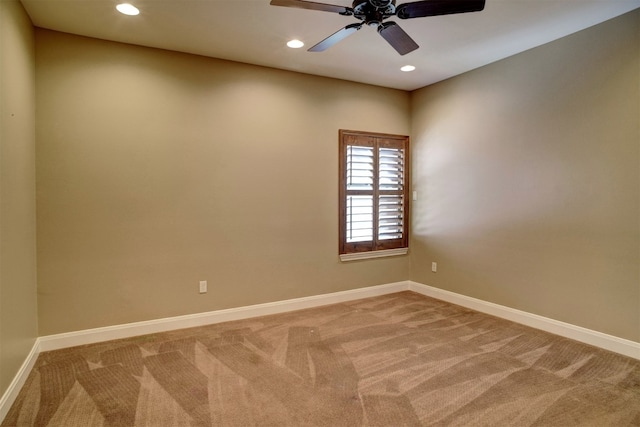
[
  {"x": 408, "y": 68},
  {"x": 127, "y": 9},
  {"x": 295, "y": 44}
]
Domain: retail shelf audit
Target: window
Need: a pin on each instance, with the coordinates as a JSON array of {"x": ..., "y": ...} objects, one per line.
[{"x": 374, "y": 207}]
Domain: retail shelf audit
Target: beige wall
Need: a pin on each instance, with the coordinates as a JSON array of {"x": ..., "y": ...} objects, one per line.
[
  {"x": 528, "y": 179},
  {"x": 18, "y": 311},
  {"x": 158, "y": 169}
]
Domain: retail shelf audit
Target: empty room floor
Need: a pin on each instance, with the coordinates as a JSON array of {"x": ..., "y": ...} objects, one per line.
[{"x": 397, "y": 359}]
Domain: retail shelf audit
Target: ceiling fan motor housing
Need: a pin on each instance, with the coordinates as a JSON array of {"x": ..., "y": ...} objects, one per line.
[{"x": 373, "y": 12}]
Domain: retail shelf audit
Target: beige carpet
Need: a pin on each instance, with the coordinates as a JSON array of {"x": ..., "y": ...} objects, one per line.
[{"x": 394, "y": 360}]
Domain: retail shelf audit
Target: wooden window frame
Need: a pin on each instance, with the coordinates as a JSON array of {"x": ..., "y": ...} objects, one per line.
[{"x": 376, "y": 247}]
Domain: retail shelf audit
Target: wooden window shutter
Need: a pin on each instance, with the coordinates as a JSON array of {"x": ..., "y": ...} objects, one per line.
[{"x": 373, "y": 191}]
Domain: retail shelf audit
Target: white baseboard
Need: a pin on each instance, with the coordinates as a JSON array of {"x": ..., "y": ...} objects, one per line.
[
  {"x": 10, "y": 395},
  {"x": 90, "y": 336},
  {"x": 587, "y": 336},
  {"x": 567, "y": 330}
]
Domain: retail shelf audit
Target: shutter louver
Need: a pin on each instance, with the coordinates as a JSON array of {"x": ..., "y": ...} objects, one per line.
[
  {"x": 359, "y": 168},
  {"x": 391, "y": 188},
  {"x": 360, "y": 177},
  {"x": 359, "y": 218},
  {"x": 390, "y": 217},
  {"x": 391, "y": 169}
]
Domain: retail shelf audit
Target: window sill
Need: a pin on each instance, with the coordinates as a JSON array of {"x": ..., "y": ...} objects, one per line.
[{"x": 373, "y": 254}]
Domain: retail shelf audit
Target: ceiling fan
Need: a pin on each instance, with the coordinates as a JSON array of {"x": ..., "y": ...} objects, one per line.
[{"x": 374, "y": 12}]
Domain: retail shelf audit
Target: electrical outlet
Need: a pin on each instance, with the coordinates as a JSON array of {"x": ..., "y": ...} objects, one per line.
[
  {"x": 203, "y": 286},
  {"x": 434, "y": 266}
]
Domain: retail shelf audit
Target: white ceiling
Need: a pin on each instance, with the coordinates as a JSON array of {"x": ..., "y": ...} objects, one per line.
[{"x": 252, "y": 31}]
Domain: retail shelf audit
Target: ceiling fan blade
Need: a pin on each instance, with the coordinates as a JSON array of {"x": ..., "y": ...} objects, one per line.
[
  {"x": 335, "y": 37},
  {"x": 423, "y": 8},
  {"x": 300, "y": 4},
  {"x": 397, "y": 38}
]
